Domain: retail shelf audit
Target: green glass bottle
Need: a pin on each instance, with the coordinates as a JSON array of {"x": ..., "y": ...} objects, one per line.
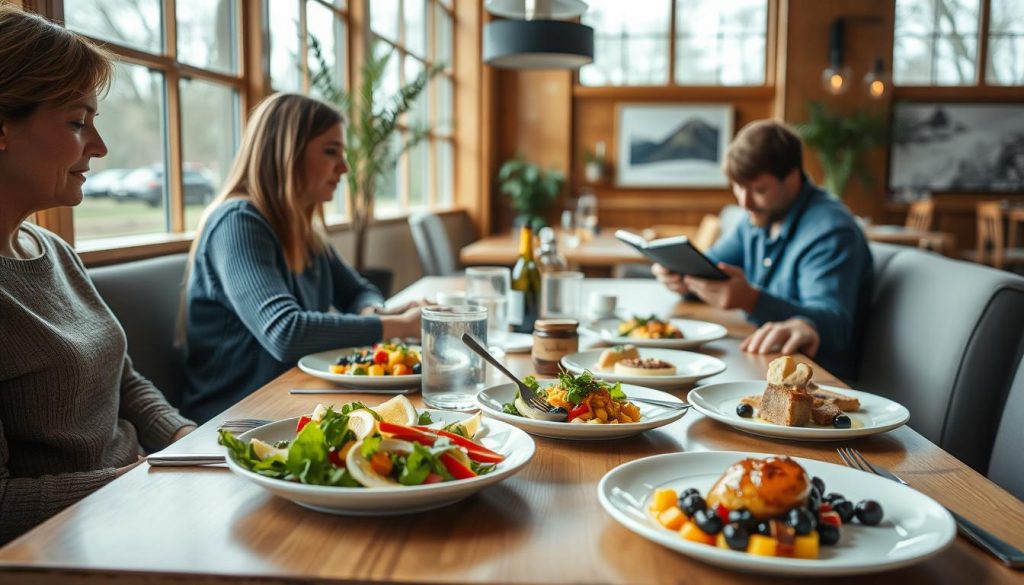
[{"x": 524, "y": 296}]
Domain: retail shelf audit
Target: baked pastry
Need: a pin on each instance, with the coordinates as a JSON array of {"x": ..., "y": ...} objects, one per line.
[
  {"x": 644, "y": 367},
  {"x": 767, "y": 487},
  {"x": 612, "y": 355},
  {"x": 793, "y": 399}
]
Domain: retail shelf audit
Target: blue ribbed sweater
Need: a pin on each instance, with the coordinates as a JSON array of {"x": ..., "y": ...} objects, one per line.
[{"x": 250, "y": 318}]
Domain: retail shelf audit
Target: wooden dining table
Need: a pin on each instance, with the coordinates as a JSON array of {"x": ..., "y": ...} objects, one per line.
[
  {"x": 595, "y": 255},
  {"x": 543, "y": 525},
  {"x": 941, "y": 242}
]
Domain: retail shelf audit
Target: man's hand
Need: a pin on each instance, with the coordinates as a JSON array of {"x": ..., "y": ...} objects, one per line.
[
  {"x": 672, "y": 280},
  {"x": 734, "y": 293},
  {"x": 785, "y": 337}
]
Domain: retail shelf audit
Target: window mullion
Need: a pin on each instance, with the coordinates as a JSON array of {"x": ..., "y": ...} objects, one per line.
[
  {"x": 981, "y": 76},
  {"x": 172, "y": 116},
  {"x": 672, "y": 43}
]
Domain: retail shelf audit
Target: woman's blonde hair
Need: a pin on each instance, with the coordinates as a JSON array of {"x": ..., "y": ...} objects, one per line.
[
  {"x": 41, "y": 62},
  {"x": 268, "y": 170}
]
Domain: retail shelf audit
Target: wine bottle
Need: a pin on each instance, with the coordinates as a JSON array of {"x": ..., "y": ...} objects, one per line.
[{"x": 524, "y": 295}]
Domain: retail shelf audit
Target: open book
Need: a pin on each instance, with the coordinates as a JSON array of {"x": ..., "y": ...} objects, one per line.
[{"x": 676, "y": 253}]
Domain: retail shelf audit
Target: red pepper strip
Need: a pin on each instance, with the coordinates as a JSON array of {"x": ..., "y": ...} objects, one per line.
[
  {"x": 433, "y": 478},
  {"x": 455, "y": 467},
  {"x": 476, "y": 451},
  {"x": 830, "y": 518},
  {"x": 407, "y": 433},
  {"x": 303, "y": 421},
  {"x": 579, "y": 409}
]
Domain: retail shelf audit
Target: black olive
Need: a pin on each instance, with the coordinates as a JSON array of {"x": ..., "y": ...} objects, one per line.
[
  {"x": 868, "y": 512},
  {"x": 844, "y": 508},
  {"x": 743, "y": 517},
  {"x": 689, "y": 491},
  {"x": 708, "y": 521},
  {"x": 813, "y": 502},
  {"x": 745, "y": 410},
  {"x": 736, "y": 536},
  {"x": 764, "y": 527},
  {"x": 828, "y": 534},
  {"x": 692, "y": 503},
  {"x": 801, "y": 520},
  {"x": 841, "y": 421},
  {"x": 833, "y": 496},
  {"x": 817, "y": 482},
  {"x": 342, "y": 360},
  {"x": 417, "y": 368}
]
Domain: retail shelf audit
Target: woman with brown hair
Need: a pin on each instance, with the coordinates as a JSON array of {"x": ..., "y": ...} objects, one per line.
[
  {"x": 263, "y": 278},
  {"x": 74, "y": 413}
]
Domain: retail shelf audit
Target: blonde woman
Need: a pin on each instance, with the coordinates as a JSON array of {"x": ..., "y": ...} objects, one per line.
[
  {"x": 74, "y": 414},
  {"x": 263, "y": 279}
]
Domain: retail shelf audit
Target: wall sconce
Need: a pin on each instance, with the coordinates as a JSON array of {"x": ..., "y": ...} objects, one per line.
[
  {"x": 878, "y": 83},
  {"x": 836, "y": 77},
  {"x": 533, "y": 35}
]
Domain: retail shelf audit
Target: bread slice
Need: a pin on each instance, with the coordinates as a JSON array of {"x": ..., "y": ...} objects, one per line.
[
  {"x": 824, "y": 412},
  {"x": 786, "y": 405},
  {"x": 613, "y": 354},
  {"x": 843, "y": 401}
]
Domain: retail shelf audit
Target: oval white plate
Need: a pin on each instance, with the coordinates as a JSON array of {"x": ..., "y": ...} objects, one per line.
[
  {"x": 516, "y": 445},
  {"x": 876, "y": 414},
  {"x": 695, "y": 333},
  {"x": 915, "y": 527},
  {"x": 651, "y": 417},
  {"x": 690, "y": 367},
  {"x": 319, "y": 365}
]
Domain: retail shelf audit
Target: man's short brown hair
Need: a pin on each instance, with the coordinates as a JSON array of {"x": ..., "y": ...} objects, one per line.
[{"x": 764, "y": 146}]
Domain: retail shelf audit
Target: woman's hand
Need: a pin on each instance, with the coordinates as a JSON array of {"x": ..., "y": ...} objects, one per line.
[
  {"x": 403, "y": 325},
  {"x": 123, "y": 470},
  {"x": 785, "y": 337},
  {"x": 182, "y": 432}
]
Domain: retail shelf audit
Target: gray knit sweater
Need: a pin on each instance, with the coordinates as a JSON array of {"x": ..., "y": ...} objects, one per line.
[{"x": 72, "y": 407}]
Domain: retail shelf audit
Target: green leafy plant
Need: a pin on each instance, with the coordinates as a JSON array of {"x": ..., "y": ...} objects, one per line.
[
  {"x": 530, "y": 189},
  {"x": 370, "y": 131},
  {"x": 841, "y": 141}
]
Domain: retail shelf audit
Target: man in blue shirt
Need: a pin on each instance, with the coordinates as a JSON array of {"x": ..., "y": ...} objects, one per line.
[{"x": 799, "y": 264}]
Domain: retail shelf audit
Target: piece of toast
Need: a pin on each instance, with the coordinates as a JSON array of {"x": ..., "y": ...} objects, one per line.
[
  {"x": 823, "y": 412},
  {"x": 843, "y": 401},
  {"x": 786, "y": 405}
]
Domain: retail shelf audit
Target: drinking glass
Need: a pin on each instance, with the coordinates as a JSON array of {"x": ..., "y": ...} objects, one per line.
[
  {"x": 488, "y": 286},
  {"x": 453, "y": 374},
  {"x": 570, "y": 233},
  {"x": 560, "y": 294}
]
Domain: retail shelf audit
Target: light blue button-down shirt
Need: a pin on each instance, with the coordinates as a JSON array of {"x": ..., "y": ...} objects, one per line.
[{"x": 817, "y": 267}]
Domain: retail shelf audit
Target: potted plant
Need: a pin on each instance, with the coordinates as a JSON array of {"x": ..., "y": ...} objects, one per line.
[
  {"x": 369, "y": 134},
  {"x": 593, "y": 163},
  {"x": 841, "y": 141},
  {"x": 530, "y": 189}
]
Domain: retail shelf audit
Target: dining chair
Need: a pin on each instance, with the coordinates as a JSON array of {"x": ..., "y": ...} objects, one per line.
[
  {"x": 432, "y": 244},
  {"x": 144, "y": 296},
  {"x": 1006, "y": 468},
  {"x": 991, "y": 248},
  {"x": 943, "y": 337},
  {"x": 920, "y": 215}
]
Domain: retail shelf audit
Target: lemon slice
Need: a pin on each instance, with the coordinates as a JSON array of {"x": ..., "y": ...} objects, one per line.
[
  {"x": 265, "y": 450},
  {"x": 362, "y": 423},
  {"x": 398, "y": 410},
  {"x": 472, "y": 424}
]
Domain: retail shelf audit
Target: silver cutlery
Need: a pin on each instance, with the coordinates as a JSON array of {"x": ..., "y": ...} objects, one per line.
[
  {"x": 661, "y": 403},
  {"x": 183, "y": 459},
  {"x": 240, "y": 425},
  {"x": 352, "y": 391},
  {"x": 1007, "y": 553},
  {"x": 550, "y": 412}
]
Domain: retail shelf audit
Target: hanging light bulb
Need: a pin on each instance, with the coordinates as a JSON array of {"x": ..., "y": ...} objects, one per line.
[
  {"x": 877, "y": 82},
  {"x": 836, "y": 77}
]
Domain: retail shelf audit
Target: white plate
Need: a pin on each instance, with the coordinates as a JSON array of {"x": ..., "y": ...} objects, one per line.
[
  {"x": 517, "y": 342},
  {"x": 914, "y": 528},
  {"x": 695, "y": 334},
  {"x": 651, "y": 417},
  {"x": 690, "y": 367},
  {"x": 876, "y": 414},
  {"x": 319, "y": 365},
  {"x": 498, "y": 436}
]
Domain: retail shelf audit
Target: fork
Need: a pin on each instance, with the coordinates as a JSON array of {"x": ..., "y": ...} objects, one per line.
[
  {"x": 552, "y": 413},
  {"x": 242, "y": 424},
  {"x": 661, "y": 403},
  {"x": 1007, "y": 553}
]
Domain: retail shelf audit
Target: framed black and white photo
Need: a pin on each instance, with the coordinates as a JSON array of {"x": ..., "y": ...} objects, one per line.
[
  {"x": 957, "y": 147},
  {"x": 672, "y": 145}
]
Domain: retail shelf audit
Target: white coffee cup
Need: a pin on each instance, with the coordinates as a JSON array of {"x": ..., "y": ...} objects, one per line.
[{"x": 602, "y": 305}]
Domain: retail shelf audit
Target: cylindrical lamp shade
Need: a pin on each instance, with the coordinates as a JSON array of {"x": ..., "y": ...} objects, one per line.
[{"x": 538, "y": 44}]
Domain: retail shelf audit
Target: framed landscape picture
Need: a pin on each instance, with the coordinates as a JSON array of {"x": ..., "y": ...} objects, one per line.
[
  {"x": 672, "y": 145},
  {"x": 975, "y": 147}
]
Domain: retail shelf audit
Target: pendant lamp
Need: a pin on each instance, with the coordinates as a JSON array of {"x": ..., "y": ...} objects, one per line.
[{"x": 534, "y": 35}]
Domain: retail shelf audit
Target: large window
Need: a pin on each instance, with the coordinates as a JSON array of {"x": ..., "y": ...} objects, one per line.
[
  {"x": 174, "y": 85},
  {"x": 937, "y": 42},
  {"x": 417, "y": 34},
  {"x": 681, "y": 42}
]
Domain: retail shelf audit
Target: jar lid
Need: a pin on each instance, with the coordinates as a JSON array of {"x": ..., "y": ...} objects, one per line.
[{"x": 556, "y": 324}]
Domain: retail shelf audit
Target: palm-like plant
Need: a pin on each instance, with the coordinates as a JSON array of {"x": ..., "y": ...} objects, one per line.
[
  {"x": 369, "y": 131},
  {"x": 841, "y": 142}
]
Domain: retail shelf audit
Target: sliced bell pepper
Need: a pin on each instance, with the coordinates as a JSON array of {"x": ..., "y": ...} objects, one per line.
[
  {"x": 580, "y": 409},
  {"x": 381, "y": 357},
  {"x": 456, "y": 467},
  {"x": 476, "y": 451},
  {"x": 303, "y": 421},
  {"x": 407, "y": 433}
]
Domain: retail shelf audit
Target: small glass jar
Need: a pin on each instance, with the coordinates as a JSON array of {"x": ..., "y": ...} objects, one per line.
[{"x": 553, "y": 339}]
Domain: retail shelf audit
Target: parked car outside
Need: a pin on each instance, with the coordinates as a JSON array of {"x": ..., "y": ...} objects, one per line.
[
  {"x": 147, "y": 184},
  {"x": 103, "y": 183}
]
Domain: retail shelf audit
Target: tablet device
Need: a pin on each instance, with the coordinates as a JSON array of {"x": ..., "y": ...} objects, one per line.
[{"x": 677, "y": 254}]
